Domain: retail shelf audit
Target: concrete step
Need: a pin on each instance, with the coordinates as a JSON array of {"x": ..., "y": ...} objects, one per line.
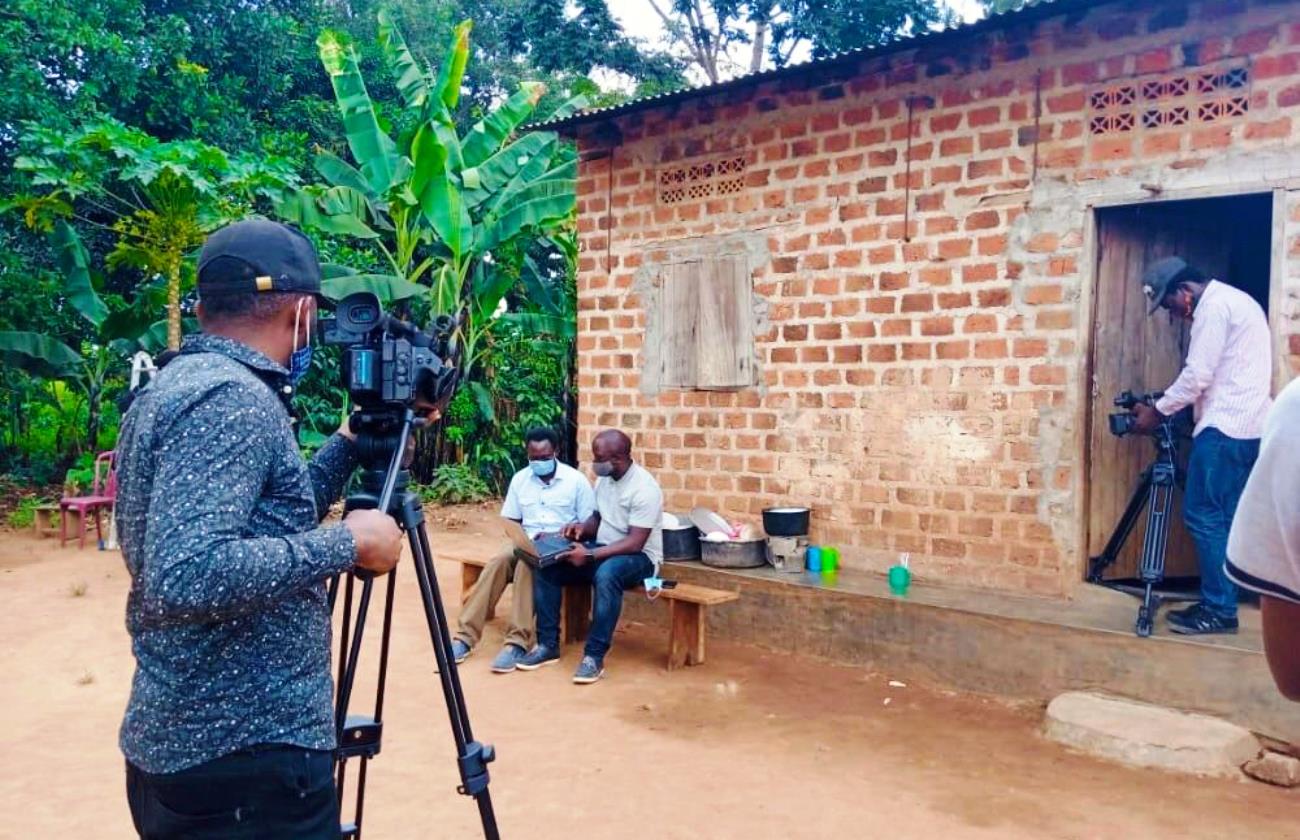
[{"x": 1143, "y": 735}]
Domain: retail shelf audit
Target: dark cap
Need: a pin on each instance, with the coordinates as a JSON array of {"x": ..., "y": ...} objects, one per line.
[
  {"x": 1158, "y": 276},
  {"x": 257, "y": 255}
]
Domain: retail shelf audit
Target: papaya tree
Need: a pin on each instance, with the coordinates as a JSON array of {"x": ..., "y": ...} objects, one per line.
[
  {"x": 155, "y": 201},
  {"x": 443, "y": 208}
]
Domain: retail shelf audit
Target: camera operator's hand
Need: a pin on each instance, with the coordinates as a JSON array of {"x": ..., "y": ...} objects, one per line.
[
  {"x": 1147, "y": 418},
  {"x": 378, "y": 539}
]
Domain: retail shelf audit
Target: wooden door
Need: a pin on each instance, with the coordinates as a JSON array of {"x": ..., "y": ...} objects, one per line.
[{"x": 1133, "y": 351}]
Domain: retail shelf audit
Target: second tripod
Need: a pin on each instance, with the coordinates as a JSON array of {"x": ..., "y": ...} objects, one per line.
[
  {"x": 1155, "y": 493},
  {"x": 381, "y": 442}
]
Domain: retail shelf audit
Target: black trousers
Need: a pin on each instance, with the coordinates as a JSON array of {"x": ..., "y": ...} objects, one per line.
[{"x": 265, "y": 792}]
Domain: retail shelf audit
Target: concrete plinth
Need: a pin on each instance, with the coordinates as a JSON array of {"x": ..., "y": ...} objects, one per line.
[{"x": 1143, "y": 735}]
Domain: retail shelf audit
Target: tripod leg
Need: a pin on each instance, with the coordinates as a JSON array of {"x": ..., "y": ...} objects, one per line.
[
  {"x": 473, "y": 756},
  {"x": 1123, "y": 529},
  {"x": 1155, "y": 544}
]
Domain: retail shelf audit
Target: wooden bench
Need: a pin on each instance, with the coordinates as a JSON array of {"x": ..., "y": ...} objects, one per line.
[{"x": 687, "y": 607}]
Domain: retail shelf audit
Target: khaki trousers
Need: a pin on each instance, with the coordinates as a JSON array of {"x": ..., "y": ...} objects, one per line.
[{"x": 502, "y": 569}]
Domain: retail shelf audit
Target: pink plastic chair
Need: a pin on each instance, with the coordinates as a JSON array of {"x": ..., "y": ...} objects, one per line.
[{"x": 102, "y": 494}]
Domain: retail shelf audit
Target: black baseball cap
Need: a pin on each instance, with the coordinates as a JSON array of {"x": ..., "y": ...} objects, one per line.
[
  {"x": 257, "y": 255},
  {"x": 1157, "y": 278}
]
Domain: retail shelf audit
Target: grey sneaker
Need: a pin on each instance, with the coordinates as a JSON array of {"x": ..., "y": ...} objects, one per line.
[
  {"x": 537, "y": 657},
  {"x": 459, "y": 650},
  {"x": 589, "y": 670},
  {"x": 508, "y": 659}
]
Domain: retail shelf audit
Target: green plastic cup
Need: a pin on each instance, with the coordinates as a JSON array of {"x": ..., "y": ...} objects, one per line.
[
  {"x": 830, "y": 559},
  {"x": 900, "y": 578}
]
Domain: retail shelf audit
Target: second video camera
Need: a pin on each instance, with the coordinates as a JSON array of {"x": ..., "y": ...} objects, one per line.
[
  {"x": 388, "y": 362},
  {"x": 1121, "y": 422}
]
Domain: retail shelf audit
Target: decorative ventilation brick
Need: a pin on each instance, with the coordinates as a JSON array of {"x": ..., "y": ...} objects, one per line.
[
  {"x": 690, "y": 182},
  {"x": 1171, "y": 100}
]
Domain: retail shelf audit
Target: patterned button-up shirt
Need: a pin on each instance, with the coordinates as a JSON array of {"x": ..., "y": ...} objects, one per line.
[{"x": 218, "y": 517}]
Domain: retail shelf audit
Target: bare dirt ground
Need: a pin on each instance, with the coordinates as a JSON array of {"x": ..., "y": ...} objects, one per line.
[{"x": 750, "y": 745}]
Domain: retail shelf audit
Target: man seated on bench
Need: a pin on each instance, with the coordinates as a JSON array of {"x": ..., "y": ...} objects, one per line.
[
  {"x": 543, "y": 497},
  {"x": 628, "y": 531}
]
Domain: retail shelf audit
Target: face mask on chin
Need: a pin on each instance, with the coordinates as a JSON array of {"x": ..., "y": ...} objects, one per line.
[
  {"x": 300, "y": 358},
  {"x": 602, "y": 469}
]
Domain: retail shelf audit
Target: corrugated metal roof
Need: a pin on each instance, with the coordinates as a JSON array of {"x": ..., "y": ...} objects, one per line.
[{"x": 1031, "y": 10}]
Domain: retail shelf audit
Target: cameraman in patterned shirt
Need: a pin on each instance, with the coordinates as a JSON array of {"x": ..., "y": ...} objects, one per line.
[{"x": 230, "y": 726}]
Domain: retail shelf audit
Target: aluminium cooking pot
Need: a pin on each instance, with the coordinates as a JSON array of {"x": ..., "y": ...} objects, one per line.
[{"x": 786, "y": 521}]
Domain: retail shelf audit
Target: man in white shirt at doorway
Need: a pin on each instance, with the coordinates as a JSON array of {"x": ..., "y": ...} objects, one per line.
[
  {"x": 1227, "y": 378},
  {"x": 543, "y": 497}
]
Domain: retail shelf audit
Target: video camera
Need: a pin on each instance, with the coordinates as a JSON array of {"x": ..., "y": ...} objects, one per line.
[
  {"x": 389, "y": 363},
  {"x": 1121, "y": 422}
]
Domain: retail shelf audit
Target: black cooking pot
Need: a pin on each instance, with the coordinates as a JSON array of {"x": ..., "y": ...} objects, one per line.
[{"x": 786, "y": 521}]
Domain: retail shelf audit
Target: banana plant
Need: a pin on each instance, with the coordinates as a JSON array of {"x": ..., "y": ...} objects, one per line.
[{"x": 438, "y": 205}]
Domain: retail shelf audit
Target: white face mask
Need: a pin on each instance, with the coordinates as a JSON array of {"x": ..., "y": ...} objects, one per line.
[{"x": 300, "y": 358}]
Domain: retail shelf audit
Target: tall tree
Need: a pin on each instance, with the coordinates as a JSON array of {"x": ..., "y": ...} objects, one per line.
[{"x": 724, "y": 38}]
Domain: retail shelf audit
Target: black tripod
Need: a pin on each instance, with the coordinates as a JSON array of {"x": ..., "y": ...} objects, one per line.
[
  {"x": 1156, "y": 491},
  {"x": 381, "y": 442}
]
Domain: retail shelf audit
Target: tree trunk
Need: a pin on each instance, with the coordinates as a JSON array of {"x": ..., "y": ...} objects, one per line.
[
  {"x": 174, "y": 302},
  {"x": 760, "y": 43}
]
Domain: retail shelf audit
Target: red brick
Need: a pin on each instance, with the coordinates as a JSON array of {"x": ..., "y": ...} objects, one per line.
[
  {"x": 882, "y": 352},
  {"x": 1289, "y": 97},
  {"x": 920, "y": 302},
  {"x": 1274, "y": 130},
  {"x": 848, "y": 354},
  {"x": 988, "y": 115},
  {"x": 956, "y": 146},
  {"x": 937, "y": 326},
  {"x": 980, "y": 324},
  {"x": 983, "y": 220}
]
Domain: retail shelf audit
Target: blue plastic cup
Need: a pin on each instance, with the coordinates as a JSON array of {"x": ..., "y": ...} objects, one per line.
[{"x": 814, "y": 558}]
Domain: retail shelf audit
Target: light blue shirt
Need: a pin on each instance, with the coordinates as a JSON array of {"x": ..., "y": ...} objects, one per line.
[{"x": 546, "y": 508}]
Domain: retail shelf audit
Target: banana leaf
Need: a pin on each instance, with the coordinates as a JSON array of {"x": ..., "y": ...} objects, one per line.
[
  {"x": 388, "y": 287},
  {"x": 537, "y": 206},
  {"x": 525, "y": 173},
  {"x": 340, "y": 173},
  {"x": 39, "y": 355},
  {"x": 569, "y": 108},
  {"x": 452, "y": 72},
  {"x": 409, "y": 77},
  {"x": 487, "y": 135},
  {"x": 74, "y": 262},
  {"x": 536, "y": 287},
  {"x": 440, "y": 199},
  {"x": 303, "y": 208},
  {"x": 530, "y": 154},
  {"x": 372, "y": 149},
  {"x": 541, "y": 323},
  {"x": 484, "y": 399}
]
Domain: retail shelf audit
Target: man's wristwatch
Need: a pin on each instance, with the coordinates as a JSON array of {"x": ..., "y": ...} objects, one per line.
[{"x": 591, "y": 556}]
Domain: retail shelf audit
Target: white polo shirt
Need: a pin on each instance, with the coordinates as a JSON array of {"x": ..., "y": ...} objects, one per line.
[
  {"x": 634, "y": 501},
  {"x": 1264, "y": 545},
  {"x": 546, "y": 508}
]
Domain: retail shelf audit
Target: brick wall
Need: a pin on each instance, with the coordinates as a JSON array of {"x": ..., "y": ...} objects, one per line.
[{"x": 924, "y": 218}]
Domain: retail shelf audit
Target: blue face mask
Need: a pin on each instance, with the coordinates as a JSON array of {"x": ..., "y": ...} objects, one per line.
[
  {"x": 300, "y": 358},
  {"x": 541, "y": 469}
]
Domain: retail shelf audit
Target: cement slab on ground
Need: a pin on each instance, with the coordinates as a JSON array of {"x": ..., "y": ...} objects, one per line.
[{"x": 1143, "y": 735}]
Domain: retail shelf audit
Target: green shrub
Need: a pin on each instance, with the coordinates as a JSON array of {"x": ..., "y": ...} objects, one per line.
[
  {"x": 22, "y": 517},
  {"x": 455, "y": 484}
]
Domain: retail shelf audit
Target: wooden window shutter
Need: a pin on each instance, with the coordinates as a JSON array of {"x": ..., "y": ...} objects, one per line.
[
  {"x": 724, "y": 333},
  {"x": 679, "y": 309}
]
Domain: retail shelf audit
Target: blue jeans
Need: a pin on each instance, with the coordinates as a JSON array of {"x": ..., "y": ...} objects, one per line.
[
  {"x": 608, "y": 577},
  {"x": 1216, "y": 475}
]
